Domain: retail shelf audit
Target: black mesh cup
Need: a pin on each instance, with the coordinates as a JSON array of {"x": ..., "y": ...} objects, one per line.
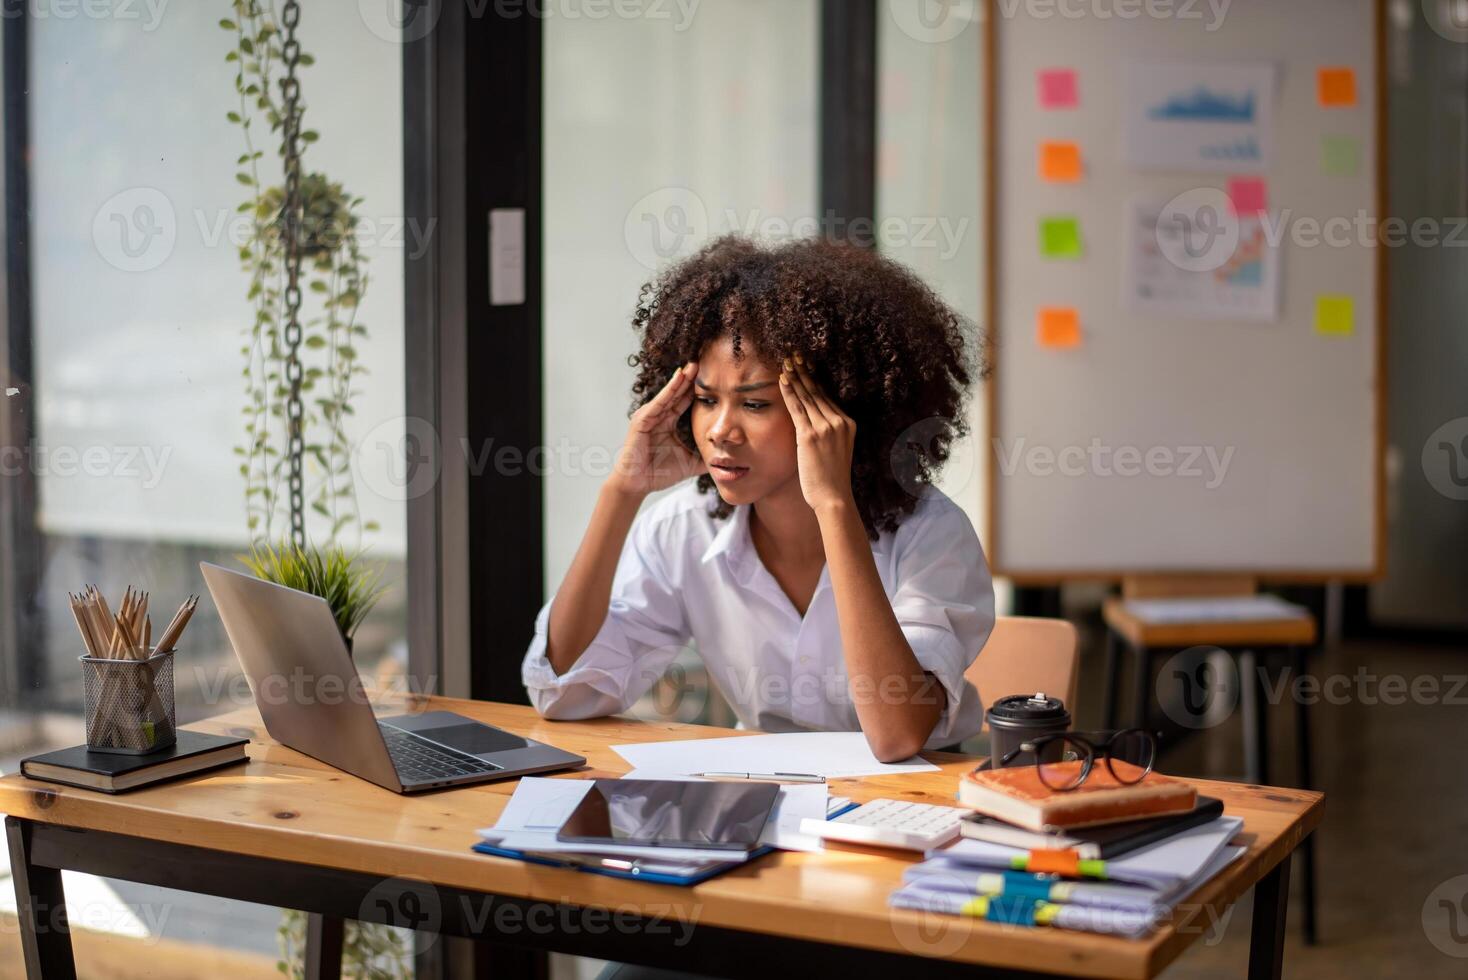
[{"x": 129, "y": 703}]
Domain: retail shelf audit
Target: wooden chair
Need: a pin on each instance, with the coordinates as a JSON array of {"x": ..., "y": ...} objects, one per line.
[
  {"x": 1243, "y": 640},
  {"x": 1024, "y": 655}
]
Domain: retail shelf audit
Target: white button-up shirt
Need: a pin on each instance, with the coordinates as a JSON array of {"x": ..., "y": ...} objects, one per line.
[{"x": 685, "y": 575}]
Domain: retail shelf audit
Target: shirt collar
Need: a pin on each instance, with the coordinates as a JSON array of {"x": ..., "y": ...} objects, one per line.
[{"x": 733, "y": 539}]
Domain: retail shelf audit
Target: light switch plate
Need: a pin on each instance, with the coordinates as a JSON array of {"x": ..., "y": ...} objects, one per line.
[{"x": 506, "y": 256}]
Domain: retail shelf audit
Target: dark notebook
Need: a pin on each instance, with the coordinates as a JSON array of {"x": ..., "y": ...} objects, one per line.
[
  {"x": 112, "y": 773},
  {"x": 1104, "y": 843}
]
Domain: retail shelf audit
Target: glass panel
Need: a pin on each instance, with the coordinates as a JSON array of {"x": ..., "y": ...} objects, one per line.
[
  {"x": 695, "y": 125},
  {"x": 930, "y": 177},
  {"x": 140, "y": 314}
]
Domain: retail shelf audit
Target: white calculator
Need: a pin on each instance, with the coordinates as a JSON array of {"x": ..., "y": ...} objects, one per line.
[{"x": 892, "y": 823}]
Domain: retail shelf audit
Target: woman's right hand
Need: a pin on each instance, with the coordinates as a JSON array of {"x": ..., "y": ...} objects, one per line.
[{"x": 652, "y": 457}]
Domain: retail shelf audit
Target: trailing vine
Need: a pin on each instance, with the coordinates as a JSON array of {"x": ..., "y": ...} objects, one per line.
[{"x": 336, "y": 279}]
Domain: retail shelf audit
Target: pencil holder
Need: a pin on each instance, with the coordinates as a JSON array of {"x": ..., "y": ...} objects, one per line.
[{"x": 130, "y": 706}]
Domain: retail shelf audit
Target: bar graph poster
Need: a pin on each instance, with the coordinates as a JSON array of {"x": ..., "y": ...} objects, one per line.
[
  {"x": 1201, "y": 118},
  {"x": 1199, "y": 260}
]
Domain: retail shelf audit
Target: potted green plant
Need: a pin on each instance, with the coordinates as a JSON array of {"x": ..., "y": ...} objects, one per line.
[{"x": 348, "y": 584}]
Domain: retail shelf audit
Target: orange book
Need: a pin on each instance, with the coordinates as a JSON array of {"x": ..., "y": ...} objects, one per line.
[{"x": 1017, "y": 796}]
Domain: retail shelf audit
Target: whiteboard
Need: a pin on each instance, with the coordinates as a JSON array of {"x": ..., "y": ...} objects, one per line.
[{"x": 1100, "y": 460}]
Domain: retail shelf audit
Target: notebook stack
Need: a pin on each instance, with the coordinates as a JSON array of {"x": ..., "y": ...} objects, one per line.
[
  {"x": 110, "y": 773},
  {"x": 1105, "y": 857}
]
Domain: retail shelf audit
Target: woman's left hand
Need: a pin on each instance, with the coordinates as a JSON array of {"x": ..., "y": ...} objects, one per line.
[{"x": 825, "y": 437}]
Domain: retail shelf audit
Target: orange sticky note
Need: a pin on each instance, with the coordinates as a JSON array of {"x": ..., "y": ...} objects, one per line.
[
  {"x": 1336, "y": 86},
  {"x": 1060, "y": 162},
  {"x": 1059, "y": 327}
]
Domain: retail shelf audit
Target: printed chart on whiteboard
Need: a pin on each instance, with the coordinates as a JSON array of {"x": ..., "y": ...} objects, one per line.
[
  {"x": 1202, "y": 118},
  {"x": 1197, "y": 258}
]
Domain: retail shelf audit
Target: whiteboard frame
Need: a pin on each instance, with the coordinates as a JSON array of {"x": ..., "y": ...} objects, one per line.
[{"x": 991, "y": 277}]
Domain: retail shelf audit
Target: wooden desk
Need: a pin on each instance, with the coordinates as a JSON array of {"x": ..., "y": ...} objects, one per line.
[{"x": 286, "y": 830}]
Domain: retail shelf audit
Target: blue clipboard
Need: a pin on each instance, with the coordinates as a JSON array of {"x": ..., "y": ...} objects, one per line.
[{"x": 634, "y": 871}]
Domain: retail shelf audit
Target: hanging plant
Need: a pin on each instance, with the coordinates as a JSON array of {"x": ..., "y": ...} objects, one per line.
[
  {"x": 307, "y": 276},
  {"x": 333, "y": 280}
]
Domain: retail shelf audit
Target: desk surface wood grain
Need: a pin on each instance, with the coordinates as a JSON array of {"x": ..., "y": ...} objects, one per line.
[{"x": 287, "y": 806}]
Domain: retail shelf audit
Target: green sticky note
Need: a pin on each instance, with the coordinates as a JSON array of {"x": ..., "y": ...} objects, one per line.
[
  {"x": 1060, "y": 237},
  {"x": 1335, "y": 315},
  {"x": 1340, "y": 156}
]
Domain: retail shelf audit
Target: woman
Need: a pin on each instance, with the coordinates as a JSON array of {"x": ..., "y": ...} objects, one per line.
[{"x": 815, "y": 387}]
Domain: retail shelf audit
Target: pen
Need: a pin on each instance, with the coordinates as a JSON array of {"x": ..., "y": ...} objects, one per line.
[{"x": 777, "y": 777}]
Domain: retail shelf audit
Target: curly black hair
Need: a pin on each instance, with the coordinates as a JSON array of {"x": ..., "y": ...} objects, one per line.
[{"x": 878, "y": 341}]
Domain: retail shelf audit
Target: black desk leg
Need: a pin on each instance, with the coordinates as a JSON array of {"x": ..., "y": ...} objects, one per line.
[
  {"x": 1141, "y": 686},
  {"x": 1267, "y": 931},
  {"x": 1304, "y": 769},
  {"x": 324, "y": 935},
  {"x": 1256, "y": 719},
  {"x": 1113, "y": 681},
  {"x": 45, "y": 936}
]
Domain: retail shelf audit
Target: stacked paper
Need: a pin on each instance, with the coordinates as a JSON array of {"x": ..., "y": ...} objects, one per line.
[{"x": 1140, "y": 889}]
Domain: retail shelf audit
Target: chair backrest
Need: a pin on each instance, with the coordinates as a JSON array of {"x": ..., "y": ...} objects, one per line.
[{"x": 1025, "y": 654}]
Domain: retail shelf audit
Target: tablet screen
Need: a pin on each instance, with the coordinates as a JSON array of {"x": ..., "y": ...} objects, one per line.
[{"x": 671, "y": 813}]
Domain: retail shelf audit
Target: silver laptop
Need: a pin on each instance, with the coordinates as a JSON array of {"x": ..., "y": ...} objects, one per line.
[{"x": 312, "y": 699}]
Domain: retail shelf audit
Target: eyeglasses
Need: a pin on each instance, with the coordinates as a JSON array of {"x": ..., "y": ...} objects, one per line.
[{"x": 1063, "y": 760}]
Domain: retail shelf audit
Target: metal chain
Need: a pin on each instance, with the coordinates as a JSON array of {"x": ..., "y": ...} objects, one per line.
[{"x": 292, "y": 218}]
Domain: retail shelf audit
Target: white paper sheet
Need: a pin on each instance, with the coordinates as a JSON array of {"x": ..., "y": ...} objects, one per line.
[
  {"x": 835, "y": 755},
  {"x": 1235, "y": 609}
]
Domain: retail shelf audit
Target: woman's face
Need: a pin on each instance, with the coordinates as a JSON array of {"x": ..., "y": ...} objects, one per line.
[{"x": 741, "y": 425}]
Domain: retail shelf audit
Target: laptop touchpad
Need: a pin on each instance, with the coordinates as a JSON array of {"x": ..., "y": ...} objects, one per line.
[{"x": 474, "y": 739}]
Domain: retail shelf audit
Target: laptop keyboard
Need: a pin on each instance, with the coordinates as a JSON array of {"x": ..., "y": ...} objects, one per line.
[{"x": 419, "y": 760}]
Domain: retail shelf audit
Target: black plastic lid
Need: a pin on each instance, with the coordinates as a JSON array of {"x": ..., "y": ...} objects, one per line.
[{"x": 1038, "y": 707}]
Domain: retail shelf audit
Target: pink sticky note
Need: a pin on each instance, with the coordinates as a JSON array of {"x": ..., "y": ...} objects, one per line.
[
  {"x": 1248, "y": 194},
  {"x": 1058, "y": 89}
]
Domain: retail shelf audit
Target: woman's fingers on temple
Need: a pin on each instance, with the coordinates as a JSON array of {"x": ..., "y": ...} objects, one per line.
[
  {"x": 792, "y": 399},
  {"x": 823, "y": 404}
]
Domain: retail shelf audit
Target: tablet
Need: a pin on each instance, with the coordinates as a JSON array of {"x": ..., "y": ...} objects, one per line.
[{"x": 671, "y": 813}]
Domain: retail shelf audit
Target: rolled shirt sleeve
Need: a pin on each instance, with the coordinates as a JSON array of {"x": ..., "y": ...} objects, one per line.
[
  {"x": 645, "y": 629},
  {"x": 944, "y": 603}
]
